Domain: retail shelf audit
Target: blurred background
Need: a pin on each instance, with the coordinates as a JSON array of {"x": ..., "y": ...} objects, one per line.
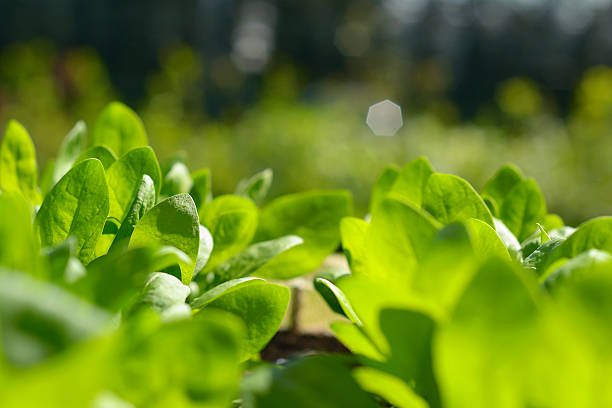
[{"x": 242, "y": 85}]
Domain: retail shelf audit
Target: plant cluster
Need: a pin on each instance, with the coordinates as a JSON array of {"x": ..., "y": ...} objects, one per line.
[
  {"x": 461, "y": 299},
  {"x": 124, "y": 283}
]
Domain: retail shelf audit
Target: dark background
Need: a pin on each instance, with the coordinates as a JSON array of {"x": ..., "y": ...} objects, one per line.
[{"x": 480, "y": 43}]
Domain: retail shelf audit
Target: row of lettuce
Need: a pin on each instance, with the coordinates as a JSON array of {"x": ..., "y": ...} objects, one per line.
[{"x": 124, "y": 283}]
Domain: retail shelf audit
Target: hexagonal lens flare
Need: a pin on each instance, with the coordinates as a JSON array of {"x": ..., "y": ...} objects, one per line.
[{"x": 385, "y": 118}]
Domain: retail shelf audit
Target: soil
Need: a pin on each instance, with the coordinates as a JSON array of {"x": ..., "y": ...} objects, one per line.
[{"x": 287, "y": 343}]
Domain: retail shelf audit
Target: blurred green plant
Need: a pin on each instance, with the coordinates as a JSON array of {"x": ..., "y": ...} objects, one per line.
[
  {"x": 320, "y": 140},
  {"x": 451, "y": 303},
  {"x": 114, "y": 282}
]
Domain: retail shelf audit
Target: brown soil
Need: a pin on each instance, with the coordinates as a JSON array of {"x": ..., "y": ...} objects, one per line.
[{"x": 287, "y": 343}]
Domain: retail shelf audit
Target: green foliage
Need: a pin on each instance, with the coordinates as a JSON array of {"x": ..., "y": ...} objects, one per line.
[
  {"x": 96, "y": 284},
  {"x": 201, "y": 190},
  {"x": 412, "y": 180},
  {"x": 232, "y": 221},
  {"x": 76, "y": 206},
  {"x": 120, "y": 129},
  {"x": 73, "y": 145},
  {"x": 18, "y": 168},
  {"x": 133, "y": 287},
  {"x": 313, "y": 216},
  {"x": 102, "y": 153},
  {"x": 317, "y": 381},
  {"x": 251, "y": 259},
  {"x": 450, "y": 198},
  {"x": 452, "y": 316},
  {"x": 144, "y": 200},
  {"x": 173, "y": 222},
  {"x": 383, "y": 185},
  {"x": 523, "y": 208},
  {"x": 497, "y": 188},
  {"x": 261, "y": 306},
  {"x": 125, "y": 177},
  {"x": 256, "y": 187},
  {"x": 18, "y": 252}
]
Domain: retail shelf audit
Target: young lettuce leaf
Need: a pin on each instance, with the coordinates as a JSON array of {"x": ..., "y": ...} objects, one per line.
[
  {"x": 18, "y": 168},
  {"x": 232, "y": 221},
  {"x": 78, "y": 206},
  {"x": 125, "y": 177},
  {"x": 172, "y": 222},
  {"x": 411, "y": 181},
  {"x": 120, "y": 129},
  {"x": 261, "y": 306},
  {"x": 313, "y": 216},
  {"x": 102, "y": 153},
  {"x": 256, "y": 187},
  {"x": 71, "y": 148},
  {"x": 450, "y": 198}
]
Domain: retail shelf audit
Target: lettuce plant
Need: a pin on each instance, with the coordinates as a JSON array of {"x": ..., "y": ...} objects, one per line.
[
  {"x": 456, "y": 298},
  {"x": 124, "y": 282}
]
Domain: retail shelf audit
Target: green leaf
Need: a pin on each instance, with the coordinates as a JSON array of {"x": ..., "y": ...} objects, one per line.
[
  {"x": 412, "y": 179},
  {"x": 409, "y": 335},
  {"x": 206, "y": 248},
  {"x": 18, "y": 169},
  {"x": 383, "y": 185},
  {"x": 107, "y": 399},
  {"x": 447, "y": 267},
  {"x": 113, "y": 281},
  {"x": 143, "y": 201},
  {"x": 356, "y": 340},
  {"x": 71, "y": 148},
  {"x": 77, "y": 205},
  {"x": 353, "y": 232},
  {"x": 84, "y": 369},
  {"x": 324, "y": 283},
  {"x": 256, "y": 187},
  {"x": 177, "y": 180},
  {"x": 184, "y": 363},
  {"x": 485, "y": 241},
  {"x": 232, "y": 222},
  {"x": 40, "y": 320},
  {"x": 389, "y": 387},
  {"x": 593, "y": 234},
  {"x": 544, "y": 237},
  {"x": 543, "y": 256},
  {"x": 119, "y": 128},
  {"x": 201, "y": 190},
  {"x": 450, "y": 198},
  {"x": 508, "y": 239},
  {"x": 18, "y": 248},
  {"x": 552, "y": 221},
  {"x": 313, "y": 216},
  {"x": 167, "y": 256},
  {"x": 172, "y": 222},
  {"x": 102, "y": 153},
  {"x": 483, "y": 351},
  {"x": 221, "y": 290},
  {"x": 250, "y": 260},
  {"x": 46, "y": 178},
  {"x": 125, "y": 178},
  {"x": 162, "y": 292},
  {"x": 500, "y": 185},
  {"x": 523, "y": 208},
  {"x": 62, "y": 263},
  {"x": 400, "y": 234},
  {"x": 314, "y": 381},
  {"x": 576, "y": 267},
  {"x": 261, "y": 306}
]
